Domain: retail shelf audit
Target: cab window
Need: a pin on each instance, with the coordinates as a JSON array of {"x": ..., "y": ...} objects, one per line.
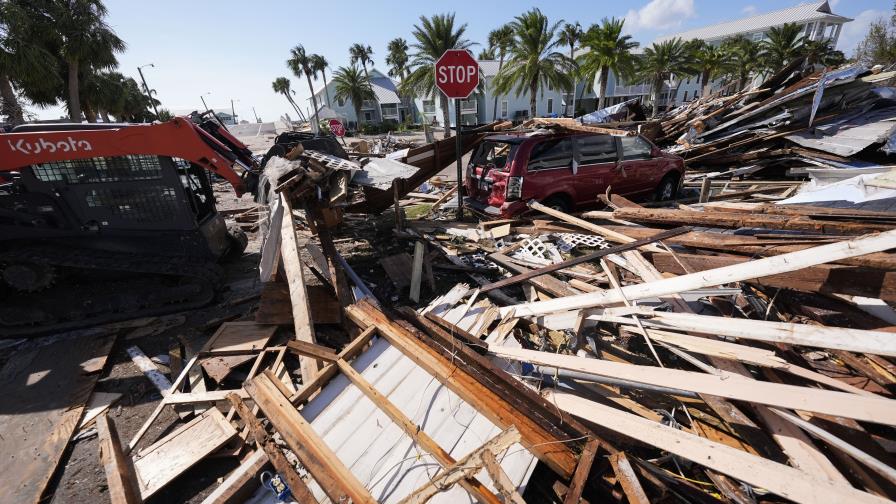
[
  {"x": 634, "y": 147},
  {"x": 551, "y": 153},
  {"x": 595, "y": 149},
  {"x": 497, "y": 154}
]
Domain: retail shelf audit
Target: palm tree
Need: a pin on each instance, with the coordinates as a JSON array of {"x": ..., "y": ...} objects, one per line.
[
  {"x": 570, "y": 35},
  {"x": 351, "y": 85},
  {"x": 361, "y": 53},
  {"x": 712, "y": 63},
  {"x": 397, "y": 59},
  {"x": 434, "y": 36},
  {"x": 533, "y": 62},
  {"x": 319, "y": 64},
  {"x": 86, "y": 41},
  {"x": 783, "y": 45},
  {"x": 487, "y": 54},
  {"x": 663, "y": 61},
  {"x": 821, "y": 52},
  {"x": 743, "y": 57},
  {"x": 500, "y": 40},
  {"x": 300, "y": 64},
  {"x": 608, "y": 51},
  {"x": 282, "y": 85},
  {"x": 22, "y": 61}
]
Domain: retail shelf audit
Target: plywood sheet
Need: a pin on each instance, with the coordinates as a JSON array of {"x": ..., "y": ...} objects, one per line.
[
  {"x": 235, "y": 336},
  {"x": 45, "y": 391}
]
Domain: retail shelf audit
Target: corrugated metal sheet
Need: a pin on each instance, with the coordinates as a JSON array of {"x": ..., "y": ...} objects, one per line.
[{"x": 849, "y": 136}]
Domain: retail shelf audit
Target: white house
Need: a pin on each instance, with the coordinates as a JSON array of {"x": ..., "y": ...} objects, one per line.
[
  {"x": 386, "y": 107},
  {"x": 816, "y": 19}
]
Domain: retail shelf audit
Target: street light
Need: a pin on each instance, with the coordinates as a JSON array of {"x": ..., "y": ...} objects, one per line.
[
  {"x": 233, "y": 110},
  {"x": 148, "y": 92}
]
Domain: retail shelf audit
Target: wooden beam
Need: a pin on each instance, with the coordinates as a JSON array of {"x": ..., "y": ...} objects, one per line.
[
  {"x": 298, "y": 294},
  {"x": 414, "y": 431},
  {"x": 311, "y": 350},
  {"x": 297, "y": 486},
  {"x": 594, "y": 228},
  {"x": 583, "y": 469},
  {"x": 736, "y": 273},
  {"x": 120, "y": 477},
  {"x": 330, "y": 370},
  {"x": 628, "y": 479},
  {"x": 779, "y": 479},
  {"x": 417, "y": 272},
  {"x": 545, "y": 283},
  {"x": 241, "y": 482},
  {"x": 323, "y": 464},
  {"x": 502, "y": 482},
  {"x": 464, "y": 468}
]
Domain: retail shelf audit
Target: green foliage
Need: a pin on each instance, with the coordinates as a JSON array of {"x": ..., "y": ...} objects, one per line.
[
  {"x": 879, "y": 44},
  {"x": 608, "y": 51},
  {"x": 783, "y": 45},
  {"x": 661, "y": 62},
  {"x": 486, "y": 54},
  {"x": 353, "y": 86},
  {"x": 533, "y": 62},
  {"x": 362, "y": 54},
  {"x": 397, "y": 58},
  {"x": 300, "y": 63}
]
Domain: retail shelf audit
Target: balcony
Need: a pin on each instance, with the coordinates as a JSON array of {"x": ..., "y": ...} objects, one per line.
[{"x": 469, "y": 106}]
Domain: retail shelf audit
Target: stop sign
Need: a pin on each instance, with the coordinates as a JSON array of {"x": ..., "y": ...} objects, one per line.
[
  {"x": 336, "y": 127},
  {"x": 457, "y": 73}
]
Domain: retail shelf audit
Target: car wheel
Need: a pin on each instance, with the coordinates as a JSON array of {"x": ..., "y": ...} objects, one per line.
[
  {"x": 667, "y": 189},
  {"x": 558, "y": 203}
]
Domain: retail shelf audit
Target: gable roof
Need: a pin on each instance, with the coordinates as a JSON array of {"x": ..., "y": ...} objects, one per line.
[
  {"x": 385, "y": 89},
  {"x": 803, "y": 13}
]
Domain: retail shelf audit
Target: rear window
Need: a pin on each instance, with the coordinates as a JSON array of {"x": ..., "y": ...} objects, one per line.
[
  {"x": 634, "y": 147},
  {"x": 596, "y": 149},
  {"x": 497, "y": 154},
  {"x": 551, "y": 153}
]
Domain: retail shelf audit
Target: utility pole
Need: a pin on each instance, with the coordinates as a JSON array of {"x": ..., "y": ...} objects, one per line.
[
  {"x": 257, "y": 120},
  {"x": 148, "y": 92},
  {"x": 233, "y": 110},
  {"x": 202, "y": 97}
]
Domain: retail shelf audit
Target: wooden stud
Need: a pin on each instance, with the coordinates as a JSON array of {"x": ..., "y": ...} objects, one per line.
[
  {"x": 628, "y": 479},
  {"x": 120, "y": 477},
  {"x": 583, "y": 469},
  {"x": 417, "y": 272}
]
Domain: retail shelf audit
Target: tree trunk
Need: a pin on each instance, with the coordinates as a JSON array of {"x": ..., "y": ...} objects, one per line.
[
  {"x": 533, "y": 91},
  {"x": 358, "y": 115},
  {"x": 11, "y": 108},
  {"x": 704, "y": 78},
  {"x": 657, "y": 90},
  {"x": 74, "y": 97},
  {"x": 572, "y": 93},
  {"x": 326, "y": 88},
  {"x": 296, "y": 106},
  {"x": 604, "y": 75},
  {"x": 89, "y": 113},
  {"x": 446, "y": 114},
  {"x": 500, "y": 65},
  {"x": 316, "y": 124}
]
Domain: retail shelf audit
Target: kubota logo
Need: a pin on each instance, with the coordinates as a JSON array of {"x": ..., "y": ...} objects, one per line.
[{"x": 42, "y": 145}]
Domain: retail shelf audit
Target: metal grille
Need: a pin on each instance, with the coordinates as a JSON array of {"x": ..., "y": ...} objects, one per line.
[
  {"x": 145, "y": 204},
  {"x": 100, "y": 169}
]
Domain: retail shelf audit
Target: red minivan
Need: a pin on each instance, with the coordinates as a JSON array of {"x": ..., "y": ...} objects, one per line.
[{"x": 566, "y": 171}]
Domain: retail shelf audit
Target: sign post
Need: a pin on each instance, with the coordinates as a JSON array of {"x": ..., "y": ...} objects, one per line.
[{"x": 457, "y": 75}]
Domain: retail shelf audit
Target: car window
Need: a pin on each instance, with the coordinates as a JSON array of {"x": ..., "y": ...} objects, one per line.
[
  {"x": 634, "y": 147},
  {"x": 596, "y": 149},
  {"x": 498, "y": 154},
  {"x": 552, "y": 153}
]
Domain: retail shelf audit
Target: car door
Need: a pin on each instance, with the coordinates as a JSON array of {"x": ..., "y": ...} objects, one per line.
[
  {"x": 596, "y": 156},
  {"x": 549, "y": 170},
  {"x": 638, "y": 168}
]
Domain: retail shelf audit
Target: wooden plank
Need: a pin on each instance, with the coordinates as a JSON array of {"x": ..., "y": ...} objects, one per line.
[
  {"x": 274, "y": 307},
  {"x": 397, "y": 268},
  {"x": 545, "y": 443},
  {"x": 330, "y": 370},
  {"x": 99, "y": 403},
  {"x": 323, "y": 464},
  {"x": 464, "y": 468},
  {"x": 627, "y": 478},
  {"x": 736, "y": 273},
  {"x": 149, "y": 369},
  {"x": 298, "y": 295},
  {"x": 238, "y": 336},
  {"x": 241, "y": 482},
  {"x": 416, "y": 432},
  {"x": 296, "y": 484},
  {"x": 311, "y": 350},
  {"x": 583, "y": 469},
  {"x": 545, "y": 283},
  {"x": 594, "y": 228},
  {"x": 45, "y": 391},
  {"x": 417, "y": 271},
  {"x": 824, "y": 278},
  {"x": 777, "y": 478},
  {"x": 502, "y": 482},
  {"x": 120, "y": 477},
  {"x": 167, "y": 458},
  {"x": 725, "y": 384}
]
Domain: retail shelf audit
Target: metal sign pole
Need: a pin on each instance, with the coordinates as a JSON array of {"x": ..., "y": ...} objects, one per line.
[{"x": 460, "y": 171}]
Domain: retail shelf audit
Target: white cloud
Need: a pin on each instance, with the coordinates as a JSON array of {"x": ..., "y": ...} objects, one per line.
[
  {"x": 749, "y": 10},
  {"x": 853, "y": 32},
  {"x": 660, "y": 15}
]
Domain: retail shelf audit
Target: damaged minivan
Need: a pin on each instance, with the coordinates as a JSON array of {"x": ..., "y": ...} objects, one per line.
[{"x": 566, "y": 171}]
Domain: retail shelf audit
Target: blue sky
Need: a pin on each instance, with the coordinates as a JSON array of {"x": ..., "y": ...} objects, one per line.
[{"x": 234, "y": 50}]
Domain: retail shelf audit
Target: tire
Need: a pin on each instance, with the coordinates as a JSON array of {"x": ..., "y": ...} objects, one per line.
[
  {"x": 668, "y": 188},
  {"x": 238, "y": 240},
  {"x": 558, "y": 203}
]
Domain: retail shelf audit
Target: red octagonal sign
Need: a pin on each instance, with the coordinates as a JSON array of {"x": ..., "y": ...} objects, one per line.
[{"x": 457, "y": 73}]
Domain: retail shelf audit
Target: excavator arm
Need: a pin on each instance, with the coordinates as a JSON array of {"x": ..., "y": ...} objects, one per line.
[{"x": 207, "y": 146}]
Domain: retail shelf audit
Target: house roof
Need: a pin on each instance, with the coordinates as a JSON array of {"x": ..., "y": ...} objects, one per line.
[
  {"x": 385, "y": 89},
  {"x": 802, "y": 13}
]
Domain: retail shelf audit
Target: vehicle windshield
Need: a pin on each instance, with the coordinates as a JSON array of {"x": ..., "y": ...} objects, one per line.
[{"x": 493, "y": 153}]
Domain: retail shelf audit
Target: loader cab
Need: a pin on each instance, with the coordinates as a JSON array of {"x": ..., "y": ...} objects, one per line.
[{"x": 144, "y": 203}]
